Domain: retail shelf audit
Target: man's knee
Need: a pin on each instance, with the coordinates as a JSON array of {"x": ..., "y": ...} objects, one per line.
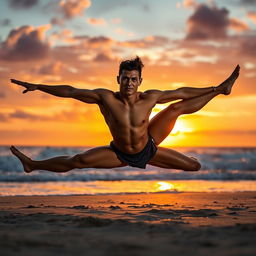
[
  {"x": 193, "y": 166},
  {"x": 177, "y": 108},
  {"x": 80, "y": 161}
]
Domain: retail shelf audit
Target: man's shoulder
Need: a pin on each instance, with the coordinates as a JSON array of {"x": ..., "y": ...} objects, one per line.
[
  {"x": 104, "y": 92},
  {"x": 151, "y": 93}
]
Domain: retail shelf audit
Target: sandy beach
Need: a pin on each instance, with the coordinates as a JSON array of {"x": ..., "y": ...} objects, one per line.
[{"x": 130, "y": 224}]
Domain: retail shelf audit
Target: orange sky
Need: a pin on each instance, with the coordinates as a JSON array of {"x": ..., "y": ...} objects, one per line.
[{"x": 84, "y": 48}]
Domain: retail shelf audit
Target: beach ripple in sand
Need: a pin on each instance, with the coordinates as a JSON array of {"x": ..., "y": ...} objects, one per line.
[{"x": 158, "y": 224}]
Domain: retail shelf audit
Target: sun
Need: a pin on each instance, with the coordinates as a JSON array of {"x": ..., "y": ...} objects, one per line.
[
  {"x": 181, "y": 126},
  {"x": 163, "y": 186}
]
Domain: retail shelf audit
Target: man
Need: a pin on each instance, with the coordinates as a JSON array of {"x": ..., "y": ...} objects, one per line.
[{"x": 126, "y": 112}]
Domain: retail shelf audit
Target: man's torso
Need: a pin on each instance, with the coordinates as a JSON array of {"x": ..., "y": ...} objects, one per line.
[{"x": 128, "y": 123}]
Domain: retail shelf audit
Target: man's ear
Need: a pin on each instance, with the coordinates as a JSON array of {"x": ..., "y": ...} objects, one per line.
[
  {"x": 117, "y": 79},
  {"x": 141, "y": 80}
]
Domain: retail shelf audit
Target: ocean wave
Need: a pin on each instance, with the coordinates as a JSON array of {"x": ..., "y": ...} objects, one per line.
[{"x": 217, "y": 164}]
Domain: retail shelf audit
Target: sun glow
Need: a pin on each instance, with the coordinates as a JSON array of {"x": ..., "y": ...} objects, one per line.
[
  {"x": 181, "y": 125},
  {"x": 163, "y": 186}
]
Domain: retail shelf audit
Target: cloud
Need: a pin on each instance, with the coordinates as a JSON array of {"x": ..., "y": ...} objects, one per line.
[
  {"x": 238, "y": 25},
  {"x": 248, "y": 46},
  {"x": 147, "y": 42},
  {"x": 121, "y": 31},
  {"x": 5, "y": 22},
  {"x": 25, "y": 43},
  {"x": 64, "y": 115},
  {"x": 22, "y": 4},
  {"x": 73, "y": 8},
  {"x": 51, "y": 69},
  {"x": 57, "y": 21},
  {"x": 96, "y": 21},
  {"x": 252, "y": 16},
  {"x": 103, "y": 57},
  {"x": 116, "y": 21},
  {"x": 64, "y": 35},
  {"x": 208, "y": 22},
  {"x": 189, "y": 3},
  {"x": 100, "y": 41},
  {"x": 24, "y": 115},
  {"x": 222, "y": 132},
  {"x": 248, "y": 2}
]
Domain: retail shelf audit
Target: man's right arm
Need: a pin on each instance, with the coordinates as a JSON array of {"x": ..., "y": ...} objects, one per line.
[{"x": 66, "y": 91}]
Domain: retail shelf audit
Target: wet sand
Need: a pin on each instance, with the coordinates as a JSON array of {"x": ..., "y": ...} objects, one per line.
[{"x": 131, "y": 224}]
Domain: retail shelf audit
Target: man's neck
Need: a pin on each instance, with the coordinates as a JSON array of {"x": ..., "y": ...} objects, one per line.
[{"x": 129, "y": 99}]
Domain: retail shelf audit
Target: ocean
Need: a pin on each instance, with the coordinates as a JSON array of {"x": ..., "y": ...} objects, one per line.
[{"x": 223, "y": 169}]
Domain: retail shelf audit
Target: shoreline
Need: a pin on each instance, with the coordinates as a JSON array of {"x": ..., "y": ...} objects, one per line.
[{"x": 123, "y": 187}]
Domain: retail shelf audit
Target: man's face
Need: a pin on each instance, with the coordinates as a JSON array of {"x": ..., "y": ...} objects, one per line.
[{"x": 129, "y": 81}]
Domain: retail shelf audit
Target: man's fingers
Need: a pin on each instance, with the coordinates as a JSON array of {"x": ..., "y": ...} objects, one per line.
[
  {"x": 17, "y": 82},
  {"x": 14, "y": 81}
]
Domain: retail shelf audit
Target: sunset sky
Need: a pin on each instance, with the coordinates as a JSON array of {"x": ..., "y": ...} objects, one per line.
[{"x": 81, "y": 43}]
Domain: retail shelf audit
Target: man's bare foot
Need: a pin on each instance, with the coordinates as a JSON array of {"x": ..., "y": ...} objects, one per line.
[
  {"x": 226, "y": 87},
  {"x": 26, "y": 162}
]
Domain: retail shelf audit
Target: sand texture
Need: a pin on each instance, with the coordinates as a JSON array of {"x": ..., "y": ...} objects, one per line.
[{"x": 133, "y": 224}]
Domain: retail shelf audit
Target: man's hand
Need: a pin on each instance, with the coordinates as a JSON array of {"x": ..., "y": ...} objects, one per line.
[{"x": 28, "y": 86}]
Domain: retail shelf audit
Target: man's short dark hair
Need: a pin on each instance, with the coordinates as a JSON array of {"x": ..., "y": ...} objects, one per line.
[{"x": 132, "y": 64}]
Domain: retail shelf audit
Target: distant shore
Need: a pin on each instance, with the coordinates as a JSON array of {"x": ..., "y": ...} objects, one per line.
[{"x": 131, "y": 224}]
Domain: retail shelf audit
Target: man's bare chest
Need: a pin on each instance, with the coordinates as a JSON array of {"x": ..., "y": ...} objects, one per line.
[{"x": 118, "y": 113}]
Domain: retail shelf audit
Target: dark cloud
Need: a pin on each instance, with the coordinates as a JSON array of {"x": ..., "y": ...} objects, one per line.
[
  {"x": 146, "y": 7},
  {"x": 208, "y": 22},
  {"x": 25, "y": 43},
  {"x": 5, "y": 22},
  {"x": 248, "y": 2},
  {"x": 22, "y": 4},
  {"x": 57, "y": 21},
  {"x": 65, "y": 116},
  {"x": 99, "y": 40},
  {"x": 24, "y": 115}
]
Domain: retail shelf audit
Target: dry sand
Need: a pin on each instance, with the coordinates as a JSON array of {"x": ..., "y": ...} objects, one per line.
[{"x": 135, "y": 224}]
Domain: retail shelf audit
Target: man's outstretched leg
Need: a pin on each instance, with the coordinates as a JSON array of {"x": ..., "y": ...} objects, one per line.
[
  {"x": 161, "y": 125},
  {"x": 100, "y": 157},
  {"x": 171, "y": 159}
]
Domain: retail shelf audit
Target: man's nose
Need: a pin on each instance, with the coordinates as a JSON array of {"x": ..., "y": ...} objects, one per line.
[{"x": 130, "y": 82}]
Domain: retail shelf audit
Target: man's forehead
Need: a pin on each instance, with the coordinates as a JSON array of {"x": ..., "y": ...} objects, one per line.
[{"x": 130, "y": 73}]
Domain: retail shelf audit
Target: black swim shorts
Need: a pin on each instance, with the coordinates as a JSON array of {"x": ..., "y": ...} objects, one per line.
[{"x": 139, "y": 159}]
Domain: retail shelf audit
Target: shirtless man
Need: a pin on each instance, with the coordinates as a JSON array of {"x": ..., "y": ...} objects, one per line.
[{"x": 126, "y": 112}]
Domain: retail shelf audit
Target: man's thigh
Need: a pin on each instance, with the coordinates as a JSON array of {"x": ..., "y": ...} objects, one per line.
[
  {"x": 100, "y": 157},
  {"x": 162, "y": 124},
  {"x": 171, "y": 159}
]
